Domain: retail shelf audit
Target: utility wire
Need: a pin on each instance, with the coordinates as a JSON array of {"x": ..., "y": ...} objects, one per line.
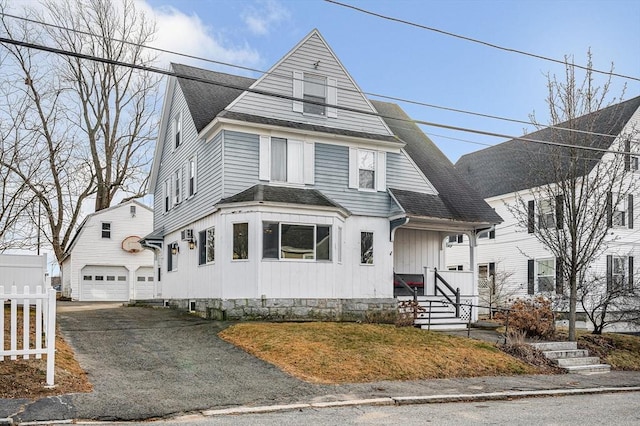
[
  {"x": 473, "y": 40},
  {"x": 291, "y": 78},
  {"x": 292, "y": 98}
]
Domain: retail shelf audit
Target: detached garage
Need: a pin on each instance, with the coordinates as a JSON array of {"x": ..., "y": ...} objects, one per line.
[
  {"x": 108, "y": 283},
  {"x": 105, "y": 261}
]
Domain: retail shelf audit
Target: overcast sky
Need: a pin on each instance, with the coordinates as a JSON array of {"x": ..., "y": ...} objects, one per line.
[{"x": 399, "y": 60}]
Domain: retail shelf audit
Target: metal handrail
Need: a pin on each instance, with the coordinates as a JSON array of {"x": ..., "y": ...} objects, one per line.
[
  {"x": 456, "y": 292},
  {"x": 414, "y": 291}
]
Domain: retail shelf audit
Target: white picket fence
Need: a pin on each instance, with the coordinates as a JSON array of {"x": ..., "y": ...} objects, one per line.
[{"x": 44, "y": 303}]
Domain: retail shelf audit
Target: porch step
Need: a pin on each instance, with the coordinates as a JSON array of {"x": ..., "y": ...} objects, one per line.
[
  {"x": 588, "y": 369},
  {"x": 445, "y": 326},
  {"x": 573, "y": 362}
]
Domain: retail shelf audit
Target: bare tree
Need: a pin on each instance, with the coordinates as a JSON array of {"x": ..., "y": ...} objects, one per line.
[
  {"x": 84, "y": 128},
  {"x": 608, "y": 301},
  {"x": 575, "y": 190}
]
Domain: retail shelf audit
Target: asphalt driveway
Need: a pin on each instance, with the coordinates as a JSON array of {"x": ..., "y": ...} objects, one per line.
[{"x": 146, "y": 362}]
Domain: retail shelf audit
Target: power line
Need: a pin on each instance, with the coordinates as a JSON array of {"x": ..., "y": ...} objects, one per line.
[
  {"x": 291, "y": 78},
  {"x": 292, "y": 98},
  {"x": 473, "y": 40}
]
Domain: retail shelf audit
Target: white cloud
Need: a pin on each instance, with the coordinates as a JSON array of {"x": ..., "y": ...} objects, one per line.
[
  {"x": 260, "y": 20},
  {"x": 187, "y": 34}
]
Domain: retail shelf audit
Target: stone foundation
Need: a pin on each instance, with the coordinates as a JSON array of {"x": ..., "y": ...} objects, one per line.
[{"x": 366, "y": 310}]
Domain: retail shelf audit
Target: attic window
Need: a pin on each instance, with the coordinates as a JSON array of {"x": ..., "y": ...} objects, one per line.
[
  {"x": 314, "y": 90},
  {"x": 177, "y": 130}
]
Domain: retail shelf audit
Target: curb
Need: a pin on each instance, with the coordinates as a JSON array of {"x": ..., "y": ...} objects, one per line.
[{"x": 408, "y": 400}]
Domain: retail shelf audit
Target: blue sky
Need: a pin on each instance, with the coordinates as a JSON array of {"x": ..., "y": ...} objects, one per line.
[{"x": 395, "y": 59}]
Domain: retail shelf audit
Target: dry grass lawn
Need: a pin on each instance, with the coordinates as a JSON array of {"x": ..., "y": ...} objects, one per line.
[
  {"x": 347, "y": 352},
  {"x": 27, "y": 378},
  {"x": 621, "y": 351}
]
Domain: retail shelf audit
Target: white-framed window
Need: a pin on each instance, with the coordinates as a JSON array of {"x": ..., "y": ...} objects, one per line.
[
  {"x": 177, "y": 130},
  {"x": 296, "y": 241},
  {"x": 546, "y": 275},
  {"x": 206, "y": 248},
  {"x": 177, "y": 182},
  {"x": 191, "y": 177},
  {"x": 546, "y": 214},
  {"x": 106, "y": 229},
  {"x": 287, "y": 160},
  {"x": 240, "y": 241},
  {"x": 166, "y": 192},
  {"x": 634, "y": 163},
  {"x": 315, "y": 87},
  {"x": 620, "y": 273},
  {"x": 366, "y": 248},
  {"x": 619, "y": 215},
  {"x": 367, "y": 169},
  {"x": 173, "y": 250}
]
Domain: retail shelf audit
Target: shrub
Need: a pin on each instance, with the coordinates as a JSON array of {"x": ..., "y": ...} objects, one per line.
[{"x": 534, "y": 317}]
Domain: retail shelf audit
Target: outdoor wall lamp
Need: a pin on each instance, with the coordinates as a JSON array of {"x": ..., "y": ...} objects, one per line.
[
  {"x": 175, "y": 249},
  {"x": 192, "y": 244}
]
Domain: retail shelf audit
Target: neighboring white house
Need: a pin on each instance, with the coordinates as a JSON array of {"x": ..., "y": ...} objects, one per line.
[
  {"x": 505, "y": 171},
  {"x": 105, "y": 261},
  {"x": 294, "y": 195}
]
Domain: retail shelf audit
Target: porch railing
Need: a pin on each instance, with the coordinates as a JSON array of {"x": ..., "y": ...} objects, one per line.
[
  {"x": 451, "y": 295},
  {"x": 412, "y": 290}
]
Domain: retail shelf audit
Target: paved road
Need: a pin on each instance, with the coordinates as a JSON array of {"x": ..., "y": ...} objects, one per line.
[{"x": 612, "y": 409}]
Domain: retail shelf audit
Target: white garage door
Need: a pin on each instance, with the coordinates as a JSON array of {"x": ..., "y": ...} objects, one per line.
[
  {"x": 144, "y": 283},
  {"x": 104, "y": 283}
]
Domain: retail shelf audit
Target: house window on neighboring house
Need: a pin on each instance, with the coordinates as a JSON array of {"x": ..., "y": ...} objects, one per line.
[
  {"x": 240, "y": 241},
  {"x": 491, "y": 234},
  {"x": 546, "y": 275},
  {"x": 546, "y": 216},
  {"x": 366, "y": 248},
  {"x": 206, "y": 241},
  {"x": 106, "y": 230},
  {"x": 549, "y": 213},
  {"x": 620, "y": 211},
  {"x": 455, "y": 268},
  {"x": 620, "y": 273},
  {"x": 294, "y": 241},
  {"x": 191, "y": 167},
  {"x": 177, "y": 130}
]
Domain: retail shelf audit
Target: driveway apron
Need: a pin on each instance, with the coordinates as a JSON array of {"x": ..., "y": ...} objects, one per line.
[{"x": 146, "y": 362}]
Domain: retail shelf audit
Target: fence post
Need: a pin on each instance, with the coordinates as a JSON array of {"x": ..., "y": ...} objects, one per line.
[
  {"x": 51, "y": 336},
  {"x": 13, "y": 325}
]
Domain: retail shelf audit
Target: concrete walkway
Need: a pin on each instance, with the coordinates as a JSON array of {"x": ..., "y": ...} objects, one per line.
[{"x": 152, "y": 363}]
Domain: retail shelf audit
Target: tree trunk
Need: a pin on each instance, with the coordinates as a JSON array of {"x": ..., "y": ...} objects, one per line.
[{"x": 573, "y": 296}]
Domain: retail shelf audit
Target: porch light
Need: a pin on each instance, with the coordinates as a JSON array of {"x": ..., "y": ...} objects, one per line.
[
  {"x": 175, "y": 249},
  {"x": 192, "y": 244}
]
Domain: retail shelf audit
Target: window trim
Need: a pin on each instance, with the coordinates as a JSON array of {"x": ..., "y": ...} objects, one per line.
[
  {"x": 233, "y": 242},
  {"x": 551, "y": 276},
  {"x": 166, "y": 199},
  {"x": 103, "y": 230},
  {"x": 177, "y": 187},
  {"x": 192, "y": 166},
  {"x": 315, "y": 242},
  {"x": 331, "y": 95},
  {"x": 380, "y": 169},
  {"x": 300, "y": 161},
  {"x": 177, "y": 131},
  {"x": 203, "y": 245},
  {"x": 172, "y": 259},
  {"x": 372, "y": 248}
]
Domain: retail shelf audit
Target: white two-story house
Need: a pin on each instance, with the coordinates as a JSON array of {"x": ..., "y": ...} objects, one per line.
[
  {"x": 513, "y": 171},
  {"x": 294, "y": 196}
]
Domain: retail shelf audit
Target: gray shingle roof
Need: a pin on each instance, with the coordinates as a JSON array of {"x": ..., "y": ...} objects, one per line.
[
  {"x": 516, "y": 164},
  {"x": 205, "y": 101},
  {"x": 280, "y": 194},
  {"x": 456, "y": 199}
]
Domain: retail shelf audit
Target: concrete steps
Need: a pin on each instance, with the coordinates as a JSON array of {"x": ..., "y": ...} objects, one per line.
[
  {"x": 567, "y": 356},
  {"x": 437, "y": 315}
]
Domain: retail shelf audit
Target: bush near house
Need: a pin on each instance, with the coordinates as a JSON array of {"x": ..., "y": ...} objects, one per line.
[{"x": 534, "y": 317}]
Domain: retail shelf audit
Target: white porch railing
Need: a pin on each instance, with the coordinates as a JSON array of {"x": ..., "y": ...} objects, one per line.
[{"x": 45, "y": 326}]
